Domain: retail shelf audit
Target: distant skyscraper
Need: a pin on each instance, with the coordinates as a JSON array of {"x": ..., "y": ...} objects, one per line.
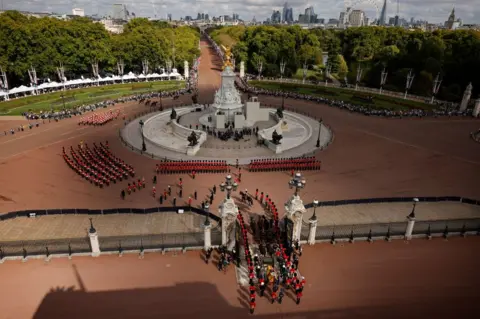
[
  {"x": 284, "y": 12},
  {"x": 287, "y": 14},
  {"x": 383, "y": 14},
  {"x": 451, "y": 20},
  {"x": 120, "y": 12},
  {"x": 276, "y": 17},
  {"x": 289, "y": 17}
]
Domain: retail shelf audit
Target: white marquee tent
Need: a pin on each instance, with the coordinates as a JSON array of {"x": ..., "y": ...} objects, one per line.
[{"x": 24, "y": 90}]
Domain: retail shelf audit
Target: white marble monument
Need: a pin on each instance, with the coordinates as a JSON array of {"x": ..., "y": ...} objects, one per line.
[
  {"x": 227, "y": 102},
  {"x": 476, "y": 109},
  {"x": 466, "y": 98}
]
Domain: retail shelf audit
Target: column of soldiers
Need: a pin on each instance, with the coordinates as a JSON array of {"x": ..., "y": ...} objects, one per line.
[{"x": 133, "y": 187}]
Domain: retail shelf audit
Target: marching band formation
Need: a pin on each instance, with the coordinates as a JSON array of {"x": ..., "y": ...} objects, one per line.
[
  {"x": 99, "y": 119},
  {"x": 99, "y": 166},
  {"x": 285, "y": 164}
]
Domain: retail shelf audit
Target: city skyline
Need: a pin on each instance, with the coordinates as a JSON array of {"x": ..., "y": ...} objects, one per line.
[{"x": 435, "y": 11}]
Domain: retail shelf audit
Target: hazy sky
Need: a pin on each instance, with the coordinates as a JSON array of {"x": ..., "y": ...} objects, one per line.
[{"x": 431, "y": 10}]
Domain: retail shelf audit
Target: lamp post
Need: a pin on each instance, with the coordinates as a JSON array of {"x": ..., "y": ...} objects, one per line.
[
  {"x": 359, "y": 76},
  {"x": 282, "y": 69},
  {"x": 305, "y": 72},
  {"x": 436, "y": 87},
  {"x": 144, "y": 146},
  {"x": 315, "y": 205},
  {"x": 383, "y": 79},
  {"x": 207, "y": 215},
  {"x": 259, "y": 68},
  {"x": 319, "y": 131},
  {"x": 408, "y": 84},
  {"x": 229, "y": 185},
  {"x": 412, "y": 214},
  {"x": 327, "y": 74},
  {"x": 298, "y": 182}
]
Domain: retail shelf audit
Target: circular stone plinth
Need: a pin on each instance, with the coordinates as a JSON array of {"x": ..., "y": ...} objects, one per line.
[{"x": 299, "y": 138}]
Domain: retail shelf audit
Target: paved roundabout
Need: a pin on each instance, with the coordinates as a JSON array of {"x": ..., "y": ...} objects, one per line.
[{"x": 370, "y": 157}]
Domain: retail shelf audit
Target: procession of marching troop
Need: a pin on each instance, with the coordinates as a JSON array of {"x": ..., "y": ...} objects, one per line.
[
  {"x": 99, "y": 119},
  {"x": 98, "y": 165}
]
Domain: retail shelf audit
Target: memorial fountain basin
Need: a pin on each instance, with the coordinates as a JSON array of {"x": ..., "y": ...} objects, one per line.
[{"x": 162, "y": 131}]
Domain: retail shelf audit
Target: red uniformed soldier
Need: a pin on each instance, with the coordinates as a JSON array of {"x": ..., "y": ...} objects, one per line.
[
  {"x": 189, "y": 201},
  {"x": 154, "y": 191},
  {"x": 193, "y": 174},
  {"x": 252, "y": 307},
  {"x": 256, "y": 193},
  {"x": 297, "y": 287},
  {"x": 274, "y": 296},
  {"x": 299, "y": 295}
]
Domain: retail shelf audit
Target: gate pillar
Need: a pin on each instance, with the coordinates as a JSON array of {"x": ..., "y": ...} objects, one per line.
[
  {"x": 312, "y": 231},
  {"x": 294, "y": 211},
  {"x": 228, "y": 213},
  {"x": 94, "y": 244}
]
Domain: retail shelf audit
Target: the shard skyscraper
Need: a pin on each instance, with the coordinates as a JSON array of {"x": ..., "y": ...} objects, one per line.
[{"x": 383, "y": 15}]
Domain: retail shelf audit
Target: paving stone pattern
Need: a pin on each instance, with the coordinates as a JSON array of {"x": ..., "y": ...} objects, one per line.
[
  {"x": 75, "y": 226},
  {"x": 391, "y": 213}
]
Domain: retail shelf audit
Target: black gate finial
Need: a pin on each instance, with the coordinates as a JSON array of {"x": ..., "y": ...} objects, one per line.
[{"x": 92, "y": 229}]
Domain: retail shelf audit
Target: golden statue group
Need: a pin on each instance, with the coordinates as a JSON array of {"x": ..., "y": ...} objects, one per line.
[{"x": 228, "y": 57}]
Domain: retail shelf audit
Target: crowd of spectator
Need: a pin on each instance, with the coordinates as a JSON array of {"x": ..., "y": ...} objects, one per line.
[{"x": 441, "y": 108}]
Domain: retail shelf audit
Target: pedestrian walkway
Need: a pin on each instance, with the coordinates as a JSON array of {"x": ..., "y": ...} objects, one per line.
[
  {"x": 76, "y": 226},
  {"x": 390, "y": 213}
]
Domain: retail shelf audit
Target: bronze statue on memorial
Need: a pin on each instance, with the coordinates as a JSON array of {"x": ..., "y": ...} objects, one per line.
[
  {"x": 228, "y": 57},
  {"x": 173, "y": 115},
  {"x": 192, "y": 139},
  {"x": 276, "y": 138}
]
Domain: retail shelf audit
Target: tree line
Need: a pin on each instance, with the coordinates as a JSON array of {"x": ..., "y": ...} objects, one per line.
[
  {"x": 453, "y": 55},
  {"x": 44, "y": 43}
]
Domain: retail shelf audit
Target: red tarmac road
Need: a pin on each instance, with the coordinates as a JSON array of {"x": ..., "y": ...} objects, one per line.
[
  {"x": 417, "y": 279},
  {"x": 370, "y": 157}
]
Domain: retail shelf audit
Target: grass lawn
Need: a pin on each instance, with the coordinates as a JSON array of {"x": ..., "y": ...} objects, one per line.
[
  {"x": 346, "y": 95},
  {"x": 83, "y": 96}
]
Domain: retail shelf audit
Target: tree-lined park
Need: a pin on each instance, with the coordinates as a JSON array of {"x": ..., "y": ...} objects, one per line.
[
  {"x": 453, "y": 57},
  {"x": 44, "y": 43}
]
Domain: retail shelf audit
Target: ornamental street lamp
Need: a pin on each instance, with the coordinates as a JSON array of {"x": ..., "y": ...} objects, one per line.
[
  {"x": 436, "y": 87},
  {"x": 319, "y": 131},
  {"x": 315, "y": 205},
  {"x": 408, "y": 84},
  {"x": 144, "y": 146},
  {"x": 412, "y": 214},
  {"x": 298, "y": 182},
  {"x": 207, "y": 215},
  {"x": 228, "y": 185}
]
